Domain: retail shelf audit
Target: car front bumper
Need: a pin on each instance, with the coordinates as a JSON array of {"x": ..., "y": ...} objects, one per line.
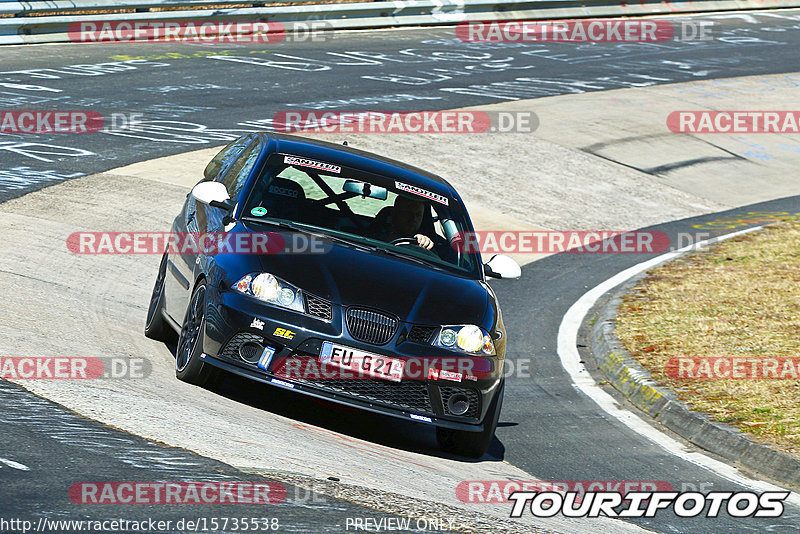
[{"x": 233, "y": 320}]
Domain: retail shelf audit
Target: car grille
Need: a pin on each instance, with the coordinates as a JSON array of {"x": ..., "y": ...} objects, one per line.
[
  {"x": 472, "y": 395},
  {"x": 421, "y": 334},
  {"x": 318, "y": 307},
  {"x": 405, "y": 395},
  {"x": 370, "y": 326}
]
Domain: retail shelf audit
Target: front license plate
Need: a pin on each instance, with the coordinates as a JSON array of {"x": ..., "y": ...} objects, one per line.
[{"x": 362, "y": 363}]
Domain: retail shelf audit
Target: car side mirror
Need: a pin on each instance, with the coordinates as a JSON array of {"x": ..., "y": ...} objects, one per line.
[
  {"x": 213, "y": 194},
  {"x": 502, "y": 266}
]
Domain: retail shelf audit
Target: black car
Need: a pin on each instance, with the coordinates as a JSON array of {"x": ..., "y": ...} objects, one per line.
[{"x": 364, "y": 294}]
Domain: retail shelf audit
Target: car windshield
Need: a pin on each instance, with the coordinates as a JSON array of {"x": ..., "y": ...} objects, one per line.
[{"x": 363, "y": 208}]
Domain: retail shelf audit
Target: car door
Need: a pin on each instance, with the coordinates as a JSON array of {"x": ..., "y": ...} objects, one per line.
[{"x": 194, "y": 218}]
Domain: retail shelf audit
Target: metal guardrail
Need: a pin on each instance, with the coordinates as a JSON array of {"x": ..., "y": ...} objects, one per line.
[
  {"x": 19, "y": 26},
  {"x": 18, "y": 8}
]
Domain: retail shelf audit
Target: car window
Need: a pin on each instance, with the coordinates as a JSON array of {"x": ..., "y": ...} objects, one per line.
[
  {"x": 363, "y": 207},
  {"x": 439, "y": 228},
  {"x": 303, "y": 181},
  {"x": 366, "y": 206},
  {"x": 237, "y": 174},
  {"x": 224, "y": 158}
]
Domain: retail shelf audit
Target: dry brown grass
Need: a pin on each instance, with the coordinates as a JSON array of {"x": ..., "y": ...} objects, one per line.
[{"x": 738, "y": 298}]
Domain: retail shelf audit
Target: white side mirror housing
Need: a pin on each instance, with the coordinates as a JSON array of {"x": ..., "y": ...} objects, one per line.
[
  {"x": 208, "y": 192},
  {"x": 502, "y": 266}
]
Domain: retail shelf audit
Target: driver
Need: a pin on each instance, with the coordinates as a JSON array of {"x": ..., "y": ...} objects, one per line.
[{"x": 405, "y": 220}]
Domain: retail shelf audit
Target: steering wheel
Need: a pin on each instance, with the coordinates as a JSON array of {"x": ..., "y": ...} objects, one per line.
[
  {"x": 413, "y": 241},
  {"x": 405, "y": 241}
]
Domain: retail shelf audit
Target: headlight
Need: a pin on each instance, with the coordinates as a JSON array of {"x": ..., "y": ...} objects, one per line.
[
  {"x": 265, "y": 286},
  {"x": 271, "y": 289},
  {"x": 466, "y": 338}
]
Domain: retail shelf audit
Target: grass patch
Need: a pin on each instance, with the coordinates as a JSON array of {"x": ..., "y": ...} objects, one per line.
[{"x": 738, "y": 298}]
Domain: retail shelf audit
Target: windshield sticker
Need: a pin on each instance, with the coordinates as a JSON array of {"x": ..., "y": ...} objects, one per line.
[
  {"x": 283, "y": 191},
  {"x": 258, "y": 211},
  {"x": 295, "y": 160},
  {"x": 421, "y": 192}
]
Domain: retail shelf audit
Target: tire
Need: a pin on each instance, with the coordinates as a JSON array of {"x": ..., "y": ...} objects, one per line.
[
  {"x": 473, "y": 444},
  {"x": 156, "y": 326},
  {"x": 189, "y": 367}
]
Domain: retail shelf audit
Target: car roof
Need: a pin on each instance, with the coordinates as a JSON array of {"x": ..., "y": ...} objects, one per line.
[{"x": 347, "y": 156}]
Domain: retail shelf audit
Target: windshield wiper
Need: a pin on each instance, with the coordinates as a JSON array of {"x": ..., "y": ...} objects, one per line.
[
  {"x": 354, "y": 244},
  {"x": 415, "y": 259},
  {"x": 273, "y": 222}
]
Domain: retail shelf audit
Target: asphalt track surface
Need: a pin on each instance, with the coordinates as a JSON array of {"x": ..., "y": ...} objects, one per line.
[
  {"x": 190, "y": 96},
  {"x": 548, "y": 428},
  {"x": 51, "y": 447}
]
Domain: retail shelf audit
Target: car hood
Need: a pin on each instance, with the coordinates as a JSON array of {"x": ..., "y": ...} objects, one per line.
[{"x": 353, "y": 277}]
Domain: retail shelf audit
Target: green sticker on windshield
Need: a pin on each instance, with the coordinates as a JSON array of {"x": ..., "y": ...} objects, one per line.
[{"x": 259, "y": 211}]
